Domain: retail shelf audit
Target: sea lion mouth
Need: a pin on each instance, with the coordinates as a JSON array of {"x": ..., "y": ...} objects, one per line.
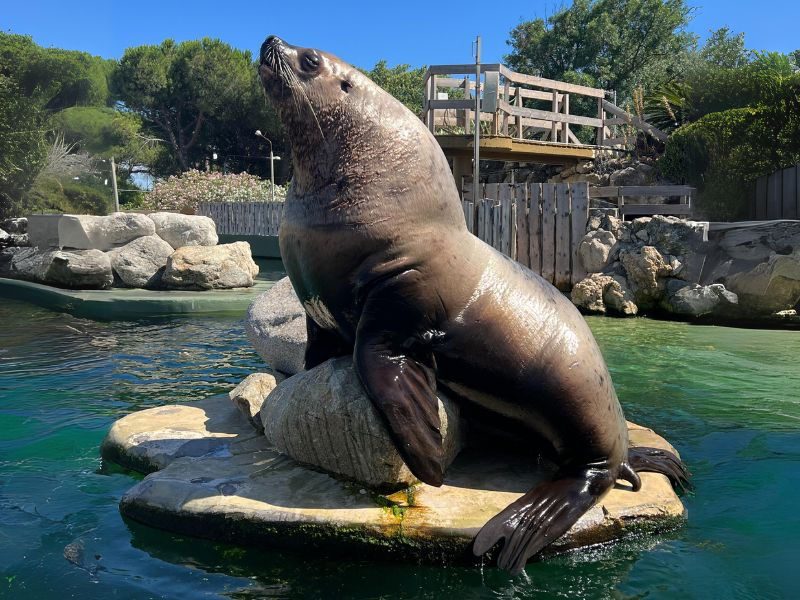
[{"x": 273, "y": 59}]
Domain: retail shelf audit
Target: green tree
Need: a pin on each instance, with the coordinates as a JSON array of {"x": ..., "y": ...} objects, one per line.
[
  {"x": 611, "y": 44},
  {"x": 724, "y": 49},
  {"x": 187, "y": 94},
  {"x": 402, "y": 81}
]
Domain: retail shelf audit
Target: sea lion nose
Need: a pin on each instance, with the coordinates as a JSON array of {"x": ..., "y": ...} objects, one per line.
[{"x": 271, "y": 41}]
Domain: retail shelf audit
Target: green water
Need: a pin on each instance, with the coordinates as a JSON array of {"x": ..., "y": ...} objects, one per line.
[{"x": 729, "y": 399}]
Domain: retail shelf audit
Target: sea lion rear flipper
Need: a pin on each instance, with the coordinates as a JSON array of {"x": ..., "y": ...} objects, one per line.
[
  {"x": 400, "y": 380},
  {"x": 540, "y": 517},
  {"x": 656, "y": 460}
]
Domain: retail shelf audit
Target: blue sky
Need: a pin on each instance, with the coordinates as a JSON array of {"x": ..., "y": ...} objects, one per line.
[{"x": 362, "y": 33}]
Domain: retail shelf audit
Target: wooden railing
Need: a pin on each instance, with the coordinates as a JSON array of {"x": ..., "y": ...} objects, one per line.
[
  {"x": 244, "y": 218},
  {"x": 618, "y": 194},
  {"x": 509, "y": 102},
  {"x": 540, "y": 225}
]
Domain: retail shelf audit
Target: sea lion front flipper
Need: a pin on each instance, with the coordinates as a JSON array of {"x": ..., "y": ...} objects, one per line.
[
  {"x": 322, "y": 344},
  {"x": 540, "y": 517},
  {"x": 399, "y": 379}
]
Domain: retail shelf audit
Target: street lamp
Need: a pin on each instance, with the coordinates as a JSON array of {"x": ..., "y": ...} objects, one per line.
[{"x": 272, "y": 159}]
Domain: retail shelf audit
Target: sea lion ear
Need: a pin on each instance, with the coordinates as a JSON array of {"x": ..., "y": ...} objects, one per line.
[{"x": 400, "y": 382}]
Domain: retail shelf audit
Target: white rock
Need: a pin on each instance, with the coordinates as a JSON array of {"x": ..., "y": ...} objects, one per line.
[
  {"x": 696, "y": 300},
  {"x": 185, "y": 230},
  {"x": 139, "y": 263},
  {"x": 595, "y": 249},
  {"x": 768, "y": 287},
  {"x": 323, "y": 417},
  {"x": 210, "y": 267},
  {"x": 276, "y": 327},
  {"x": 250, "y": 394},
  {"x": 102, "y": 233}
]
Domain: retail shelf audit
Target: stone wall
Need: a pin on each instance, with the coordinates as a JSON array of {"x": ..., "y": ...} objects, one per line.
[{"x": 689, "y": 268}]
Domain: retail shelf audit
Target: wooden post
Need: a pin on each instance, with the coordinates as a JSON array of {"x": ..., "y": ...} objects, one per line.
[
  {"x": 535, "y": 227},
  {"x": 548, "y": 231},
  {"x": 554, "y": 126},
  {"x": 579, "y": 217},
  {"x": 565, "y": 126},
  {"x": 507, "y": 221},
  {"x": 466, "y": 110},
  {"x": 518, "y": 104},
  {"x": 601, "y": 131},
  {"x": 563, "y": 248},
  {"x": 506, "y": 97},
  {"x": 522, "y": 241}
]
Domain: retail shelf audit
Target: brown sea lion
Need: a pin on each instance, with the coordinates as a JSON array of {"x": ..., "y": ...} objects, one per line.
[{"x": 374, "y": 241}]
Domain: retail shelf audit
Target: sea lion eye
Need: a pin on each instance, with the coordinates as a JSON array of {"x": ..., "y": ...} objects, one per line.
[
  {"x": 346, "y": 86},
  {"x": 310, "y": 62}
]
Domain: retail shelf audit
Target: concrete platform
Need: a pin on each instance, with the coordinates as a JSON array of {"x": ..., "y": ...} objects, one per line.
[
  {"x": 120, "y": 303},
  {"x": 212, "y": 476}
]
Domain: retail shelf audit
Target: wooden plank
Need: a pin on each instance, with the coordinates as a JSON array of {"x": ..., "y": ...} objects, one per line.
[
  {"x": 497, "y": 226},
  {"x": 507, "y": 223},
  {"x": 549, "y": 116},
  {"x": 761, "y": 198},
  {"x": 635, "y": 191},
  {"x": 774, "y": 199},
  {"x": 462, "y": 69},
  {"x": 789, "y": 193},
  {"x": 551, "y": 84},
  {"x": 579, "y": 216},
  {"x": 565, "y": 127},
  {"x": 655, "y": 209},
  {"x": 554, "y": 125},
  {"x": 518, "y": 104},
  {"x": 601, "y": 131},
  {"x": 563, "y": 248},
  {"x": 535, "y": 227},
  {"x": 548, "y": 231},
  {"x": 635, "y": 121},
  {"x": 523, "y": 233},
  {"x": 453, "y": 104}
]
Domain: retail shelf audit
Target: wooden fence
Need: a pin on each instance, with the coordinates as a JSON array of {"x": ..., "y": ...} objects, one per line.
[
  {"x": 777, "y": 196},
  {"x": 540, "y": 225},
  {"x": 244, "y": 218},
  {"x": 618, "y": 194},
  {"x": 523, "y": 106}
]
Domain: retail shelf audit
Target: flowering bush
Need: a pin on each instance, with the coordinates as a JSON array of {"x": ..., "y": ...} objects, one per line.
[{"x": 183, "y": 192}]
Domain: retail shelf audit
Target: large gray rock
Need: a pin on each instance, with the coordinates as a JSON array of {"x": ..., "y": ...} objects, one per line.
[
  {"x": 646, "y": 270},
  {"x": 276, "y": 327},
  {"x": 43, "y": 231},
  {"x": 249, "y": 396},
  {"x": 759, "y": 240},
  {"x": 210, "y": 267},
  {"x": 185, "y": 230},
  {"x": 139, "y": 263},
  {"x": 672, "y": 235},
  {"x": 87, "y": 232},
  {"x": 18, "y": 225},
  {"x": 639, "y": 174},
  {"x": 595, "y": 249},
  {"x": 79, "y": 269},
  {"x": 324, "y": 418},
  {"x": 5, "y": 239},
  {"x": 769, "y": 287},
  {"x": 696, "y": 300},
  {"x": 30, "y": 264}
]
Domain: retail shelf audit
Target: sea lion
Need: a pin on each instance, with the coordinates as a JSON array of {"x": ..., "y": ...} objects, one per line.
[{"x": 374, "y": 242}]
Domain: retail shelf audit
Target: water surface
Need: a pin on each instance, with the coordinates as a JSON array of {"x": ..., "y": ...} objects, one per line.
[{"x": 728, "y": 399}]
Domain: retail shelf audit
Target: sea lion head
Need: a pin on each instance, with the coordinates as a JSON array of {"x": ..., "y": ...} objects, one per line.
[{"x": 347, "y": 133}]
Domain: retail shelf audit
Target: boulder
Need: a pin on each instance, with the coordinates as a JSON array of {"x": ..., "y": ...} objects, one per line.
[
  {"x": 20, "y": 239},
  {"x": 595, "y": 249},
  {"x": 249, "y": 395},
  {"x": 770, "y": 286},
  {"x": 672, "y": 235},
  {"x": 5, "y": 239},
  {"x": 695, "y": 300},
  {"x": 43, "y": 231},
  {"x": 140, "y": 263},
  {"x": 758, "y": 241},
  {"x": 30, "y": 264},
  {"x": 639, "y": 174},
  {"x": 210, "y": 267},
  {"x": 19, "y": 225},
  {"x": 599, "y": 292},
  {"x": 79, "y": 269},
  {"x": 185, "y": 230},
  {"x": 302, "y": 412},
  {"x": 6, "y": 256},
  {"x": 86, "y": 232},
  {"x": 646, "y": 269},
  {"x": 276, "y": 327}
]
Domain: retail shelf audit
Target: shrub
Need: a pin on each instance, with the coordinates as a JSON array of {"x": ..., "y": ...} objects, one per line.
[{"x": 183, "y": 192}]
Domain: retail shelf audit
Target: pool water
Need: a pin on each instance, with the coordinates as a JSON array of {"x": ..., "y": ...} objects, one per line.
[{"x": 728, "y": 399}]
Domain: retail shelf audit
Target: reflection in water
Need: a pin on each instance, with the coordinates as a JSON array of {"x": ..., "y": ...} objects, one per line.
[{"x": 727, "y": 398}]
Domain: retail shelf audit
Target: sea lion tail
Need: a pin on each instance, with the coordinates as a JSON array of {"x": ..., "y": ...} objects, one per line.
[
  {"x": 656, "y": 460},
  {"x": 540, "y": 517}
]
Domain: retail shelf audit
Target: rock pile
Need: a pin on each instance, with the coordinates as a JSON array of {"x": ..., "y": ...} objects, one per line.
[
  {"x": 666, "y": 264},
  {"x": 157, "y": 251}
]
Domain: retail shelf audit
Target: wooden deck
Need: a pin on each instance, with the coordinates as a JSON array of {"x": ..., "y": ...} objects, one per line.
[{"x": 523, "y": 118}]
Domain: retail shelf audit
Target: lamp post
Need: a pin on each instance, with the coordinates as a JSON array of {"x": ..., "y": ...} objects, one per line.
[{"x": 272, "y": 159}]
